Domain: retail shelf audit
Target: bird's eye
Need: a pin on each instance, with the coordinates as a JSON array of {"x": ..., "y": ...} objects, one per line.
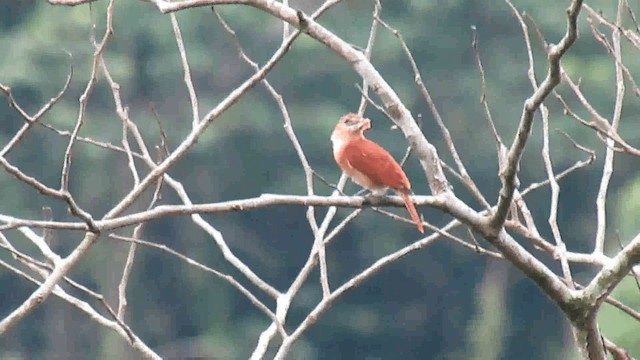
[{"x": 350, "y": 121}]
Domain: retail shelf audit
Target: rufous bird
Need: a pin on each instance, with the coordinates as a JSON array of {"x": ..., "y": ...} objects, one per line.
[{"x": 369, "y": 164}]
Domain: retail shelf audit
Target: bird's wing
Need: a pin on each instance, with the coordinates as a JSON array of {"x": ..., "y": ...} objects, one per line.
[{"x": 376, "y": 163}]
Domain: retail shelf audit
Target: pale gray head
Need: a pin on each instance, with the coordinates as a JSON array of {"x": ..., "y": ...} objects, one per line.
[{"x": 350, "y": 125}]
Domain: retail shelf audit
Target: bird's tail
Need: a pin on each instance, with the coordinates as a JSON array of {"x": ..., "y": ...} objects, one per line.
[{"x": 412, "y": 210}]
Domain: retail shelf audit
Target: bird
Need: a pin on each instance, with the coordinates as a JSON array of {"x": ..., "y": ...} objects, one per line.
[{"x": 369, "y": 164}]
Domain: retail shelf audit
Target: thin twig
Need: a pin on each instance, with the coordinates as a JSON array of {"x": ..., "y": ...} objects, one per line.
[
  {"x": 561, "y": 248},
  {"x": 228, "y": 278},
  {"x": 31, "y": 120},
  {"x": 607, "y": 171},
  {"x": 193, "y": 97},
  {"x": 466, "y": 179},
  {"x": 45, "y": 289},
  {"x": 532, "y": 104}
]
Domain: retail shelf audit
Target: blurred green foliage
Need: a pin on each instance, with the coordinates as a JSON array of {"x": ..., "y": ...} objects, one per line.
[{"x": 434, "y": 304}]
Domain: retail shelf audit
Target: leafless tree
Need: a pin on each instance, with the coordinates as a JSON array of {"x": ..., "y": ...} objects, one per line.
[{"x": 498, "y": 222}]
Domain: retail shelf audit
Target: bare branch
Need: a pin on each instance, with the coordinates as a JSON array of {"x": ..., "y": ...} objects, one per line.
[
  {"x": 530, "y": 106},
  {"x": 617, "y": 352},
  {"x": 607, "y": 170},
  {"x": 190, "y": 139},
  {"x": 227, "y": 278},
  {"x": 377, "y": 8},
  {"x": 483, "y": 91},
  {"x": 425, "y": 151},
  {"x": 612, "y": 273},
  {"x": 195, "y": 114},
  {"x": 561, "y": 248},
  {"x": 31, "y": 120},
  {"x": 84, "y": 307},
  {"x": 288, "y": 126},
  {"x": 577, "y": 165},
  {"x": 622, "y": 307},
  {"x": 256, "y": 203},
  {"x": 462, "y": 171},
  {"x": 84, "y": 98},
  {"x": 67, "y": 263},
  {"x": 48, "y": 285},
  {"x": 326, "y": 302}
]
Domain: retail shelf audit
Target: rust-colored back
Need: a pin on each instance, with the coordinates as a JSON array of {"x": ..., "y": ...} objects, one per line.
[{"x": 376, "y": 163}]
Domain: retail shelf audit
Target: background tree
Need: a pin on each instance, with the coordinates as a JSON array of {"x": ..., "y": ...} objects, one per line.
[{"x": 183, "y": 197}]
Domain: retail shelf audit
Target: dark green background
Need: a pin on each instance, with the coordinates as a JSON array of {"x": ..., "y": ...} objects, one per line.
[{"x": 443, "y": 302}]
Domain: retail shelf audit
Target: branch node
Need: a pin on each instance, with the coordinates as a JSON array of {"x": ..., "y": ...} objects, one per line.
[{"x": 302, "y": 21}]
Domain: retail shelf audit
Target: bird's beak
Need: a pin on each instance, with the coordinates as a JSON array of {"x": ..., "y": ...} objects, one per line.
[{"x": 364, "y": 124}]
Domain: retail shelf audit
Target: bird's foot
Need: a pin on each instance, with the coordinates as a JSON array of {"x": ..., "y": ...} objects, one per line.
[{"x": 373, "y": 197}]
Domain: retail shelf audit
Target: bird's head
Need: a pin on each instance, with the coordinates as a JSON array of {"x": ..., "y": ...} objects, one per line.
[{"x": 350, "y": 125}]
